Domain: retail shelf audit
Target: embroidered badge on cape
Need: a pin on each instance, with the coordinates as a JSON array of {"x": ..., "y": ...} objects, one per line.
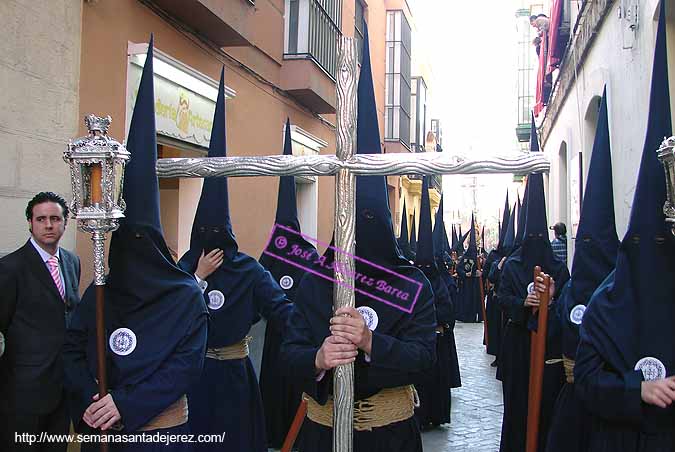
[
  {"x": 652, "y": 368},
  {"x": 577, "y": 314},
  {"x": 530, "y": 288},
  {"x": 216, "y": 300},
  {"x": 286, "y": 282},
  {"x": 122, "y": 341},
  {"x": 370, "y": 316}
]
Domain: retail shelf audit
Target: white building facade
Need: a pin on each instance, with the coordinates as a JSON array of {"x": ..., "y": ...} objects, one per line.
[{"x": 612, "y": 45}]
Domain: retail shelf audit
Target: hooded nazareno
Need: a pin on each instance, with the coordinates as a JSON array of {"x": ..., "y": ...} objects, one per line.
[
  {"x": 238, "y": 294},
  {"x": 626, "y": 333},
  {"x": 404, "y": 336},
  {"x": 155, "y": 316}
]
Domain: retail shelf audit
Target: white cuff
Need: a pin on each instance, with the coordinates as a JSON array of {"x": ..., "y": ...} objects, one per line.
[{"x": 201, "y": 283}]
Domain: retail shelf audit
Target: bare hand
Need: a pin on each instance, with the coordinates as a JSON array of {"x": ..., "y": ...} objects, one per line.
[
  {"x": 478, "y": 273},
  {"x": 532, "y": 300},
  {"x": 501, "y": 263},
  {"x": 349, "y": 324},
  {"x": 658, "y": 392},
  {"x": 209, "y": 263},
  {"x": 541, "y": 287},
  {"x": 102, "y": 413},
  {"x": 335, "y": 351}
]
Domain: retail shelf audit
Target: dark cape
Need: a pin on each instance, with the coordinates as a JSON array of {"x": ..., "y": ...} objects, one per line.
[
  {"x": 517, "y": 274},
  {"x": 495, "y": 320},
  {"x": 469, "y": 306},
  {"x": 280, "y": 394},
  {"x": 594, "y": 258},
  {"x": 495, "y": 277},
  {"x": 441, "y": 248},
  {"x": 403, "y": 344},
  {"x": 628, "y": 323},
  {"x": 226, "y": 399},
  {"x": 434, "y": 391},
  {"x": 155, "y": 316}
]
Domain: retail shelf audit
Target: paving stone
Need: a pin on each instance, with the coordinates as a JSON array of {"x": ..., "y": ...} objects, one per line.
[{"x": 477, "y": 406}]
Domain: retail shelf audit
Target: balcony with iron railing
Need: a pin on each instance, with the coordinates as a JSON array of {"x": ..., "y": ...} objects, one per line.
[
  {"x": 311, "y": 52},
  {"x": 228, "y": 23}
]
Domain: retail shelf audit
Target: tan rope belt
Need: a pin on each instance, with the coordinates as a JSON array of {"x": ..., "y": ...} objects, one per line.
[
  {"x": 234, "y": 351},
  {"x": 386, "y": 407},
  {"x": 176, "y": 414},
  {"x": 569, "y": 369}
]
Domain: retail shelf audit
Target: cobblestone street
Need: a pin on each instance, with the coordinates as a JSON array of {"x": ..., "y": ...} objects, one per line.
[{"x": 476, "y": 406}]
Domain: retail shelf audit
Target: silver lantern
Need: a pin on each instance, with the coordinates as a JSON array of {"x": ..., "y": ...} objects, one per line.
[
  {"x": 666, "y": 154},
  {"x": 97, "y": 176}
]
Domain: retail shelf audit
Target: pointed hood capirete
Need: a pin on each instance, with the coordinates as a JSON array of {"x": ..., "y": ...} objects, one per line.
[
  {"x": 413, "y": 236},
  {"x": 472, "y": 250},
  {"x": 425, "y": 244},
  {"x": 596, "y": 243},
  {"x": 439, "y": 235},
  {"x": 404, "y": 238},
  {"x": 510, "y": 232},
  {"x": 522, "y": 215},
  {"x": 212, "y": 227},
  {"x": 375, "y": 238},
  {"x": 482, "y": 240},
  {"x": 141, "y": 265},
  {"x": 287, "y": 209},
  {"x": 536, "y": 247},
  {"x": 506, "y": 217},
  {"x": 145, "y": 292},
  {"x": 287, "y": 275}
]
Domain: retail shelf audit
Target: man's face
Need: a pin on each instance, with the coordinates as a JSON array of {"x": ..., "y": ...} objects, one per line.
[{"x": 47, "y": 225}]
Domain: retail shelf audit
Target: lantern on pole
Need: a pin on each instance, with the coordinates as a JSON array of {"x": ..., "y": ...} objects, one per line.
[
  {"x": 96, "y": 164},
  {"x": 666, "y": 154}
]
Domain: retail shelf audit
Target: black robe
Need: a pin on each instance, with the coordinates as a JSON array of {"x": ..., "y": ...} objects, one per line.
[
  {"x": 515, "y": 355},
  {"x": 403, "y": 352},
  {"x": 493, "y": 312},
  {"x": 434, "y": 391},
  {"x": 469, "y": 307},
  {"x": 280, "y": 395},
  {"x": 227, "y": 397},
  {"x": 449, "y": 335}
]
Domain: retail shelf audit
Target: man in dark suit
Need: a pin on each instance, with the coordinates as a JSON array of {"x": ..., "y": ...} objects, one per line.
[{"x": 38, "y": 290}]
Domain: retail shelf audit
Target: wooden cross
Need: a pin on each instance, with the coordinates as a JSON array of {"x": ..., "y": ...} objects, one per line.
[{"x": 345, "y": 166}]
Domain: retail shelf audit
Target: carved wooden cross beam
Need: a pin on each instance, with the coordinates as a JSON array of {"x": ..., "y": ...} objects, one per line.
[{"x": 346, "y": 165}]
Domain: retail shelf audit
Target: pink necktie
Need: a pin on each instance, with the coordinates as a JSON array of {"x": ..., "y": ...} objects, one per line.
[{"x": 56, "y": 275}]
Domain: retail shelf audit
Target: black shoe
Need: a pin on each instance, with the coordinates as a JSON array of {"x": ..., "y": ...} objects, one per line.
[{"x": 495, "y": 363}]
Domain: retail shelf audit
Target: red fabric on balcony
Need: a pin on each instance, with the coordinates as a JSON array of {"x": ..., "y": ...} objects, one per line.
[
  {"x": 555, "y": 45},
  {"x": 541, "y": 97}
]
